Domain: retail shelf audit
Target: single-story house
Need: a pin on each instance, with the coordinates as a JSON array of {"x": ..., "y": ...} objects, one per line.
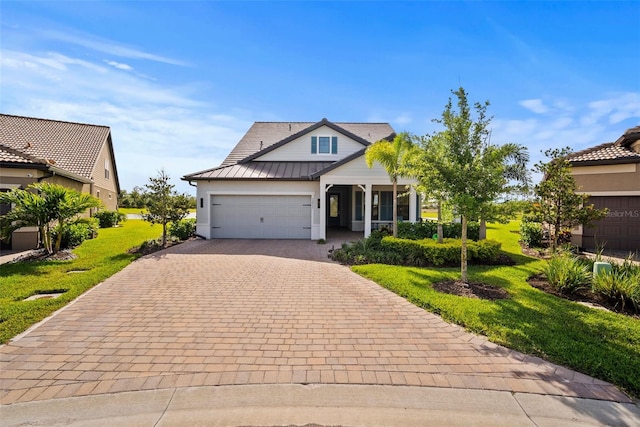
[
  {"x": 610, "y": 174},
  {"x": 76, "y": 155},
  {"x": 295, "y": 180}
]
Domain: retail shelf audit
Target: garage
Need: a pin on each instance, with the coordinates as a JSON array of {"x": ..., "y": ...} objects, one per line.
[
  {"x": 260, "y": 217},
  {"x": 620, "y": 229}
]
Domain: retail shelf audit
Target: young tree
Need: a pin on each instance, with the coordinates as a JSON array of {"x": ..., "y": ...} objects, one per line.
[
  {"x": 390, "y": 155},
  {"x": 163, "y": 203},
  {"x": 470, "y": 171},
  {"x": 429, "y": 184},
  {"x": 50, "y": 207},
  {"x": 557, "y": 204}
]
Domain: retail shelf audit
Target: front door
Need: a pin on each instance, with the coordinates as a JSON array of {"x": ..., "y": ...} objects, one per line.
[{"x": 333, "y": 210}]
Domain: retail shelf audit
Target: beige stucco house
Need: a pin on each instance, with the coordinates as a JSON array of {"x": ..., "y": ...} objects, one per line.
[
  {"x": 75, "y": 155},
  {"x": 296, "y": 180},
  {"x": 610, "y": 173}
]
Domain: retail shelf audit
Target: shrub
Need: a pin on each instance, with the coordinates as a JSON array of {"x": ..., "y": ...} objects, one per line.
[
  {"x": 429, "y": 252},
  {"x": 567, "y": 274},
  {"x": 531, "y": 234},
  {"x": 427, "y": 229},
  {"x": 182, "y": 229},
  {"x": 76, "y": 233},
  {"x": 621, "y": 285},
  {"x": 109, "y": 219}
]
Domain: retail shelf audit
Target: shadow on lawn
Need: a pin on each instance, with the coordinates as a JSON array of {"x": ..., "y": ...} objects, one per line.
[{"x": 536, "y": 323}]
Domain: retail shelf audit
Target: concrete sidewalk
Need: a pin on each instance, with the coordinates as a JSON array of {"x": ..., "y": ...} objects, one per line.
[{"x": 322, "y": 405}]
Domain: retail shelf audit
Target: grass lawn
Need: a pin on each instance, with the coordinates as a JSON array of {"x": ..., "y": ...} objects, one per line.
[
  {"x": 97, "y": 259},
  {"x": 598, "y": 343}
]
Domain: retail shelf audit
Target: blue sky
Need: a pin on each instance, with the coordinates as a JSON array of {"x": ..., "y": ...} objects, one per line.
[{"x": 179, "y": 83}]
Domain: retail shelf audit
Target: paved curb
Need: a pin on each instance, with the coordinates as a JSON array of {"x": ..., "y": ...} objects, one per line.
[{"x": 324, "y": 405}]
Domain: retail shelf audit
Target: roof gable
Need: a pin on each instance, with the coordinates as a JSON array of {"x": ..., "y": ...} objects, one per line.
[
  {"x": 73, "y": 147},
  {"x": 264, "y": 137}
]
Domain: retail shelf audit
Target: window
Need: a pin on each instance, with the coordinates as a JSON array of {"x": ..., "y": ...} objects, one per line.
[
  {"x": 324, "y": 145},
  {"x": 106, "y": 169},
  {"x": 382, "y": 206},
  {"x": 358, "y": 206}
]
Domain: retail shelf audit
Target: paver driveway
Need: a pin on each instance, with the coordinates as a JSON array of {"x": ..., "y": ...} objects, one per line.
[{"x": 259, "y": 312}]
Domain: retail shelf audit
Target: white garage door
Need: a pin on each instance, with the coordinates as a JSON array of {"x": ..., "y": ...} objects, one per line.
[{"x": 260, "y": 217}]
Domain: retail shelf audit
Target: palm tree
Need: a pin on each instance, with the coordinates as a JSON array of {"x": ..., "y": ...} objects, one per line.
[
  {"x": 50, "y": 207},
  {"x": 390, "y": 155}
]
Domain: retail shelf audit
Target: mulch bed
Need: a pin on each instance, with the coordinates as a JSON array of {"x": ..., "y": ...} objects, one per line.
[
  {"x": 539, "y": 281},
  {"x": 471, "y": 290},
  {"x": 42, "y": 255}
]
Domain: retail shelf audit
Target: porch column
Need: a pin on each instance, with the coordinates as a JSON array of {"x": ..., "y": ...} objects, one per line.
[
  {"x": 367, "y": 208},
  {"x": 412, "y": 204},
  {"x": 323, "y": 209}
]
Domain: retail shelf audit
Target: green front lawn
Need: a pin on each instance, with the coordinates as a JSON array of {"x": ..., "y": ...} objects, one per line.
[
  {"x": 601, "y": 344},
  {"x": 97, "y": 259}
]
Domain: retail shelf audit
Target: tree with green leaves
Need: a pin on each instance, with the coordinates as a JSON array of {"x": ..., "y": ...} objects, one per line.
[
  {"x": 163, "y": 203},
  {"x": 470, "y": 171},
  {"x": 390, "y": 155},
  {"x": 429, "y": 184},
  {"x": 49, "y": 207},
  {"x": 557, "y": 203}
]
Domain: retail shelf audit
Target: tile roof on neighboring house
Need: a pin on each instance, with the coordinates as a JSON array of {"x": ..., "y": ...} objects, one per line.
[
  {"x": 625, "y": 150},
  {"x": 72, "y": 147},
  {"x": 263, "y": 137}
]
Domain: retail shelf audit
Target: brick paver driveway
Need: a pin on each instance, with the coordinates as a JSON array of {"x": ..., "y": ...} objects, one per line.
[{"x": 259, "y": 312}]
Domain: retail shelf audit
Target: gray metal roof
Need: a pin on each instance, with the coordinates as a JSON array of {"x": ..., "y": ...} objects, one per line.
[{"x": 264, "y": 170}]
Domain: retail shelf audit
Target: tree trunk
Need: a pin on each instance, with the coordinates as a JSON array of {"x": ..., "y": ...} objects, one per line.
[
  {"x": 395, "y": 208},
  {"x": 483, "y": 229},
  {"x": 463, "y": 253},
  {"x": 440, "y": 230},
  {"x": 164, "y": 234}
]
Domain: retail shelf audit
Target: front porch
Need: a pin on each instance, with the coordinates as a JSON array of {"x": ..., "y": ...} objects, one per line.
[{"x": 362, "y": 208}]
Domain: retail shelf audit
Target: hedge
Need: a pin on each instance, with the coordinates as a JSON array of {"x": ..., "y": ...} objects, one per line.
[
  {"x": 427, "y": 229},
  {"x": 430, "y": 252}
]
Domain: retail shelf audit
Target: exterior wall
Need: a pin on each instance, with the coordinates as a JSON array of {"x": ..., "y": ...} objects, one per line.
[
  {"x": 610, "y": 179},
  {"x": 299, "y": 150},
  {"x": 105, "y": 187},
  {"x": 616, "y": 187},
  {"x": 251, "y": 187}
]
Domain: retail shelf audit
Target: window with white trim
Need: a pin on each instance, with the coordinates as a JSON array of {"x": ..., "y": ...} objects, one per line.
[
  {"x": 106, "y": 169},
  {"x": 324, "y": 145}
]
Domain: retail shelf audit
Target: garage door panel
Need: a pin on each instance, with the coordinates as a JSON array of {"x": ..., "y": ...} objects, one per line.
[
  {"x": 620, "y": 229},
  {"x": 261, "y": 217}
]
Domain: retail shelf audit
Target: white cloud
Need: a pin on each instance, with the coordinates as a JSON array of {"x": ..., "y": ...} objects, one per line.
[
  {"x": 106, "y": 46},
  {"x": 152, "y": 125},
  {"x": 119, "y": 65},
  {"x": 535, "y": 105}
]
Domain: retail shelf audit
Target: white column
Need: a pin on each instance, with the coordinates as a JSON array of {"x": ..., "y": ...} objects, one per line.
[
  {"x": 323, "y": 209},
  {"x": 412, "y": 204},
  {"x": 367, "y": 208}
]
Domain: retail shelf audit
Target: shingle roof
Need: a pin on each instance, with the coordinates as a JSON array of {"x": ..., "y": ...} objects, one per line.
[
  {"x": 73, "y": 147},
  {"x": 611, "y": 152},
  {"x": 263, "y": 135}
]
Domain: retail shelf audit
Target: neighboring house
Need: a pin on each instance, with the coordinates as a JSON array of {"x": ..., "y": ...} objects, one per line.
[
  {"x": 75, "y": 155},
  {"x": 292, "y": 180},
  {"x": 610, "y": 173}
]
